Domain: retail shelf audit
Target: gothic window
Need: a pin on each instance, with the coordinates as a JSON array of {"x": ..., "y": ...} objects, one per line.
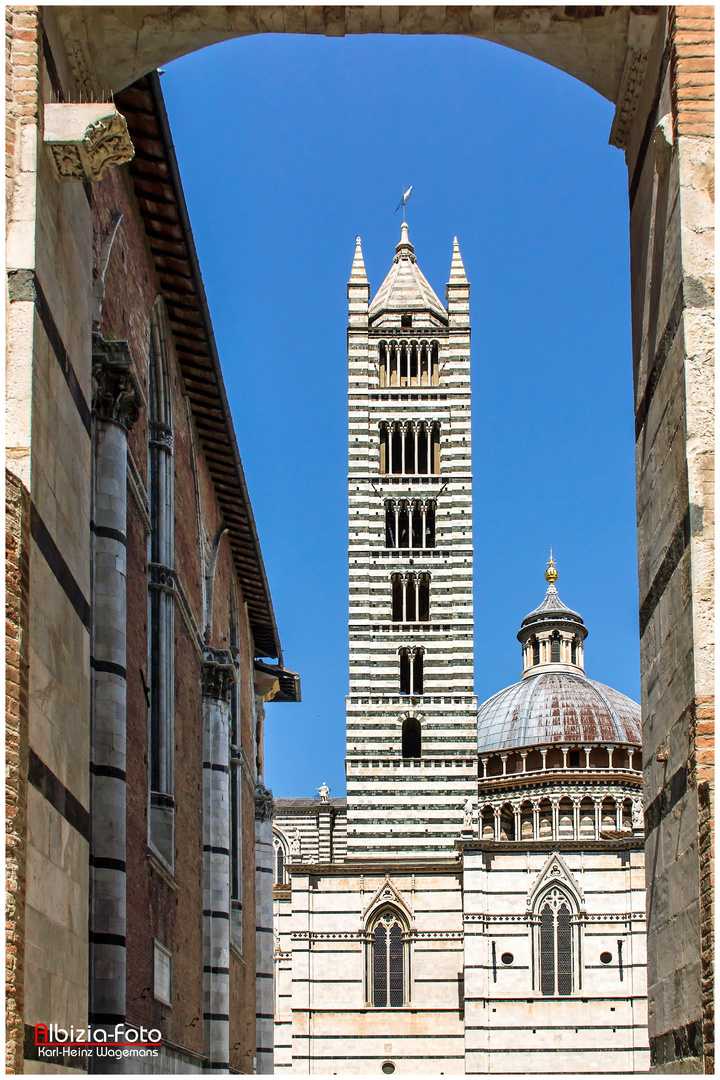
[
  {"x": 388, "y": 967},
  {"x": 410, "y": 597},
  {"x": 409, "y": 448},
  {"x": 411, "y": 671},
  {"x": 409, "y": 524},
  {"x": 556, "y": 944},
  {"x": 279, "y": 857},
  {"x": 411, "y": 738},
  {"x": 408, "y": 363},
  {"x": 161, "y": 637}
]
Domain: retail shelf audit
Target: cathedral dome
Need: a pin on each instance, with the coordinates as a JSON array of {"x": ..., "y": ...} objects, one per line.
[
  {"x": 557, "y": 707},
  {"x": 555, "y": 702}
]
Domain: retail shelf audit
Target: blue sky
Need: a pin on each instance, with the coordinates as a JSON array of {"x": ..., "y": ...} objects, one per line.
[{"x": 291, "y": 146}]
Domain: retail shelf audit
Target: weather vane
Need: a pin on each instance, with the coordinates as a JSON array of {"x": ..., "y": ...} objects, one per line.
[{"x": 406, "y": 196}]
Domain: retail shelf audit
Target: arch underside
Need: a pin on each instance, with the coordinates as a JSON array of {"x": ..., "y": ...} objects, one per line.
[{"x": 111, "y": 47}]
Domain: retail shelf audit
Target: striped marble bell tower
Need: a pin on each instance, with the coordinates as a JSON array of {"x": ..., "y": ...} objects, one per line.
[{"x": 411, "y": 711}]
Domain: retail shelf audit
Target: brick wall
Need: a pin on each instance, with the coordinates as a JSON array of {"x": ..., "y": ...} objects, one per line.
[
  {"x": 17, "y": 585},
  {"x": 21, "y": 53},
  {"x": 692, "y": 30}
]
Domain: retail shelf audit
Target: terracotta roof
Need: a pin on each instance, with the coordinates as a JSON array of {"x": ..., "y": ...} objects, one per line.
[
  {"x": 156, "y": 179},
  {"x": 557, "y": 707}
]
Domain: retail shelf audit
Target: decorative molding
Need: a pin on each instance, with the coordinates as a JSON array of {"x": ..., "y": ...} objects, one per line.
[
  {"x": 117, "y": 396},
  {"x": 84, "y": 139},
  {"x": 628, "y": 96},
  {"x": 387, "y": 894},
  {"x": 556, "y": 872}
]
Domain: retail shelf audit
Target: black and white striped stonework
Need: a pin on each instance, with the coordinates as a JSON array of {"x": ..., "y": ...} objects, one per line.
[
  {"x": 409, "y": 805},
  {"x": 218, "y": 677},
  {"x": 115, "y": 408}
]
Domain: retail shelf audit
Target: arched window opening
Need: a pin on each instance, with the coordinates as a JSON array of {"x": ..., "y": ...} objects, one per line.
[
  {"x": 388, "y": 962},
  {"x": 608, "y": 816},
  {"x": 488, "y": 823},
  {"x": 161, "y": 602},
  {"x": 396, "y": 447},
  {"x": 384, "y": 449},
  {"x": 554, "y": 759},
  {"x": 556, "y": 945},
  {"x": 566, "y": 826},
  {"x": 534, "y": 761},
  {"x": 435, "y": 448},
  {"x": 411, "y": 738},
  {"x": 587, "y": 818},
  {"x": 535, "y": 651},
  {"x": 398, "y": 592},
  {"x": 279, "y": 863},
  {"x": 435, "y": 375},
  {"x": 423, "y": 613},
  {"x": 599, "y": 757},
  {"x": 413, "y": 357},
  {"x": 411, "y": 598},
  {"x": 494, "y": 767},
  {"x": 404, "y": 671},
  {"x": 417, "y": 525},
  {"x": 417, "y": 672},
  {"x": 430, "y": 525},
  {"x": 383, "y": 370},
  {"x": 507, "y": 822},
  {"x": 526, "y": 821},
  {"x": 573, "y": 651},
  {"x": 627, "y": 814},
  {"x": 545, "y": 829},
  {"x": 555, "y": 649}
]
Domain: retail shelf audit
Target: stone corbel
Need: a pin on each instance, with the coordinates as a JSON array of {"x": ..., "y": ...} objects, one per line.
[
  {"x": 219, "y": 674},
  {"x": 84, "y": 139},
  {"x": 117, "y": 394},
  {"x": 264, "y": 804}
]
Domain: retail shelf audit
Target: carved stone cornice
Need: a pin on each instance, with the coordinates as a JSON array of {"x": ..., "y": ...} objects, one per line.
[
  {"x": 264, "y": 804},
  {"x": 219, "y": 674},
  {"x": 117, "y": 396},
  {"x": 628, "y": 96},
  {"x": 84, "y": 139}
]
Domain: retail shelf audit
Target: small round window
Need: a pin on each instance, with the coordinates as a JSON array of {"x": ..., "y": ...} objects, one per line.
[
  {"x": 388, "y": 1067},
  {"x": 605, "y": 957},
  {"x": 507, "y": 958}
]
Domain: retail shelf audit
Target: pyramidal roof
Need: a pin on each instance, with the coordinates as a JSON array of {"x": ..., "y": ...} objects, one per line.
[{"x": 406, "y": 288}]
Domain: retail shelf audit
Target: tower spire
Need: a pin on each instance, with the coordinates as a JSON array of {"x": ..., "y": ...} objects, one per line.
[
  {"x": 358, "y": 276},
  {"x": 457, "y": 268}
]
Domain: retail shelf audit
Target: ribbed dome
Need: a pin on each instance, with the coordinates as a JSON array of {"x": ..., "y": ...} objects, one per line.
[{"x": 557, "y": 707}]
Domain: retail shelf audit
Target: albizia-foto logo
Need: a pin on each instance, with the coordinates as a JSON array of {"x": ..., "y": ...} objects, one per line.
[{"x": 121, "y": 1041}]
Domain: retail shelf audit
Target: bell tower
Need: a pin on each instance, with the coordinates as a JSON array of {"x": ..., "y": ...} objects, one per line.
[{"x": 411, "y": 711}]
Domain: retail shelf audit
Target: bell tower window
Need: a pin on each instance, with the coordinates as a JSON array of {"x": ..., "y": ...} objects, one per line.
[
  {"x": 406, "y": 321},
  {"x": 411, "y": 738},
  {"x": 409, "y": 448}
]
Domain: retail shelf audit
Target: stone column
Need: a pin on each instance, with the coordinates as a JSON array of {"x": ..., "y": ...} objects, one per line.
[
  {"x": 218, "y": 678},
  {"x": 264, "y": 970},
  {"x": 116, "y": 406}
]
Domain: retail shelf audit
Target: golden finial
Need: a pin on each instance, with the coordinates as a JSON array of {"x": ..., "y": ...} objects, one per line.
[{"x": 551, "y": 574}]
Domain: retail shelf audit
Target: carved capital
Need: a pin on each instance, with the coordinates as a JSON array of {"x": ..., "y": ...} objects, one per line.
[
  {"x": 161, "y": 435},
  {"x": 264, "y": 804},
  {"x": 116, "y": 392},
  {"x": 84, "y": 139},
  {"x": 219, "y": 674}
]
